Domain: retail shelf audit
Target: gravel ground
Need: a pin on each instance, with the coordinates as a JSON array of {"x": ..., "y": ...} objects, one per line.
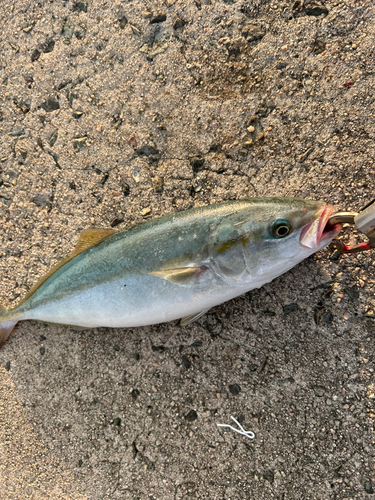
[{"x": 113, "y": 112}]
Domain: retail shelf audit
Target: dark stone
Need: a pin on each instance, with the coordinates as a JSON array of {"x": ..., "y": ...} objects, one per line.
[
  {"x": 146, "y": 150},
  {"x": 117, "y": 421},
  {"x": 104, "y": 178},
  {"x": 281, "y": 65},
  {"x": 289, "y": 308},
  {"x": 178, "y": 23},
  {"x": 269, "y": 313},
  {"x": 134, "y": 394},
  {"x": 116, "y": 221},
  {"x": 64, "y": 83},
  {"x": 196, "y": 343},
  {"x": 316, "y": 10},
  {"x": 7, "y": 366},
  {"x": 265, "y": 109},
  {"x": 368, "y": 487},
  {"x": 319, "y": 391},
  {"x": 158, "y": 348},
  {"x": 80, "y": 463},
  {"x": 47, "y": 46},
  {"x": 353, "y": 292},
  {"x": 234, "y": 389},
  {"x": 191, "y": 416},
  {"x": 253, "y": 367},
  {"x": 116, "y": 347},
  {"x": 335, "y": 256},
  {"x": 23, "y": 104},
  {"x": 79, "y": 6},
  {"x": 35, "y": 54},
  {"x": 50, "y": 104},
  {"x": 79, "y": 34},
  {"x": 319, "y": 46},
  {"x": 327, "y": 317},
  {"x": 42, "y": 351},
  {"x": 125, "y": 188},
  {"x": 159, "y": 18},
  {"x": 196, "y": 162},
  {"x": 123, "y": 22},
  {"x": 186, "y": 361},
  {"x": 269, "y": 476},
  {"x": 252, "y": 32}
]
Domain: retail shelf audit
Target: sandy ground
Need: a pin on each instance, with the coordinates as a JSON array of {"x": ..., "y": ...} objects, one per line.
[{"x": 113, "y": 112}]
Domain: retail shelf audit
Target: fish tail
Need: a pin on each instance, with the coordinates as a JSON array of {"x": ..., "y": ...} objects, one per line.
[{"x": 6, "y": 325}]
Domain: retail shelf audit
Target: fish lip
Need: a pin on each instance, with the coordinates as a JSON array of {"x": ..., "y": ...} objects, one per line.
[{"x": 314, "y": 234}]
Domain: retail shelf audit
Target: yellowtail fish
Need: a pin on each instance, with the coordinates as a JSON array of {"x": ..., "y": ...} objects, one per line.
[{"x": 176, "y": 266}]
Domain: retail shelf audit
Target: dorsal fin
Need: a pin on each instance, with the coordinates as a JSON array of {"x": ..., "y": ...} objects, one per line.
[
  {"x": 91, "y": 237},
  {"x": 87, "y": 239}
]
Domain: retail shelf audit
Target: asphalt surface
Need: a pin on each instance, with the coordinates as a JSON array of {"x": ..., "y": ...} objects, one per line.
[{"x": 113, "y": 112}]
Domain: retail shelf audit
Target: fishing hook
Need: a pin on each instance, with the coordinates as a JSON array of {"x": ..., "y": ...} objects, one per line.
[{"x": 364, "y": 222}]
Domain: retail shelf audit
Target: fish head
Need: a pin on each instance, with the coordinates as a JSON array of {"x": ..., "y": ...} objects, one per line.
[{"x": 268, "y": 236}]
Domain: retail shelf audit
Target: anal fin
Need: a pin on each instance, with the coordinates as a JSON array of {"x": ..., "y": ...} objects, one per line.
[{"x": 193, "y": 317}]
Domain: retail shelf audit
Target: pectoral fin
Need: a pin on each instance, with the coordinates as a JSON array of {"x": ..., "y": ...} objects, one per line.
[
  {"x": 193, "y": 317},
  {"x": 180, "y": 276}
]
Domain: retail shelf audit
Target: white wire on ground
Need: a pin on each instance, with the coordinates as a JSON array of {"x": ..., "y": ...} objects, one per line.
[{"x": 248, "y": 434}]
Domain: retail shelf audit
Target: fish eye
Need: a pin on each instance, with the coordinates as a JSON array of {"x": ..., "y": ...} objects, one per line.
[{"x": 281, "y": 228}]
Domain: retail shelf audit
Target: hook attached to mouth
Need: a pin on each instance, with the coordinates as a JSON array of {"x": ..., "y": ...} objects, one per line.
[{"x": 364, "y": 222}]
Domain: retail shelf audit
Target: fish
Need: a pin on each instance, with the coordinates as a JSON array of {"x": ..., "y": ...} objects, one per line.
[{"x": 175, "y": 267}]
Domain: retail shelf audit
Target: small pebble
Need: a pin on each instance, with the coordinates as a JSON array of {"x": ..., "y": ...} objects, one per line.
[
  {"x": 159, "y": 18},
  {"x": 234, "y": 389},
  {"x": 178, "y": 23},
  {"x": 191, "y": 416},
  {"x": 269, "y": 476},
  {"x": 368, "y": 487},
  {"x": 158, "y": 183}
]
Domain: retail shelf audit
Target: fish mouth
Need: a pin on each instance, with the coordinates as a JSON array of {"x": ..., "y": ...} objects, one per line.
[{"x": 318, "y": 233}]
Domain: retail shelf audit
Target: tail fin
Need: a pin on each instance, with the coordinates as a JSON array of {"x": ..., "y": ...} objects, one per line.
[{"x": 6, "y": 326}]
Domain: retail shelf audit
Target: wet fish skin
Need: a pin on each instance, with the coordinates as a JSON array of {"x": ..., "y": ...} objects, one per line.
[{"x": 176, "y": 265}]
